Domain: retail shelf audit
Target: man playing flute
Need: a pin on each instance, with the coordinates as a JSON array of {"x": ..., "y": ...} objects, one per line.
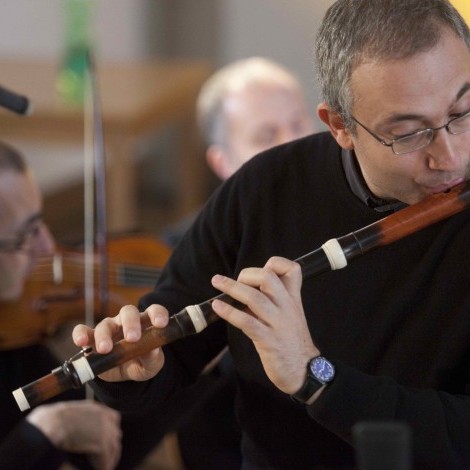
[{"x": 387, "y": 338}]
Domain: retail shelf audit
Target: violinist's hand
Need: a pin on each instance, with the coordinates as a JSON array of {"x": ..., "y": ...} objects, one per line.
[
  {"x": 128, "y": 324},
  {"x": 274, "y": 320},
  {"x": 84, "y": 427}
]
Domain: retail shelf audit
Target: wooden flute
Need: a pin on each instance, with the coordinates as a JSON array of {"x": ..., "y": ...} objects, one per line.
[{"x": 332, "y": 255}]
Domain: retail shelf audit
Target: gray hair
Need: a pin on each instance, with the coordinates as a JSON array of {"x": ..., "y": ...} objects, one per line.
[
  {"x": 354, "y": 30},
  {"x": 11, "y": 159},
  {"x": 233, "y": 78}
]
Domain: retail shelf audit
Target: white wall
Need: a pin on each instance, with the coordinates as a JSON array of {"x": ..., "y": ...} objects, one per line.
[
  {"x": 283, "y": 30},
  {"x": 36, "y": 28}
]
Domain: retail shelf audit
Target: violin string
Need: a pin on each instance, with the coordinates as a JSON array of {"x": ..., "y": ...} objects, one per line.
[
  {"x": 150, "y": 276},
  {"x": 71, "y": 264},
  {"x": 119, "y": 274}
]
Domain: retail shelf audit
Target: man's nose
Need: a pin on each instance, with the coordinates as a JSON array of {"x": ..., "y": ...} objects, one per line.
[
  {"x": 442, "y": 151},
  {"x": 44, "y": 243}
]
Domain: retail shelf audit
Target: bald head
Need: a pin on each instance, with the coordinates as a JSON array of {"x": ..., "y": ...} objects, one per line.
[{"x": 247, "y": 107}]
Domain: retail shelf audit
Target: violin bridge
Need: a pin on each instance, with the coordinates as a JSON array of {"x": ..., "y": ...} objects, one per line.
[{"x": 57, "y": 269}]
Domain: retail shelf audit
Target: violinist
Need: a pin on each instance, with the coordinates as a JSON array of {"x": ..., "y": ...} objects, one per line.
[
  {"x": 385, "y": 339},
  {"x": 85, "y": 433}
]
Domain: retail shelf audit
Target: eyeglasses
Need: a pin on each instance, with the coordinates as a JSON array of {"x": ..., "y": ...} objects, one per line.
[
  {"x": 422, "y": 138},
  {"x": 23, "y": 240}
]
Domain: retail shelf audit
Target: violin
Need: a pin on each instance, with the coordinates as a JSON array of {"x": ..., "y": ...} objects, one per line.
[{"x": 54, "y": 293}]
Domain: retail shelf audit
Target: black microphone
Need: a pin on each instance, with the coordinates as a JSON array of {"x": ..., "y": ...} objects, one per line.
[
  {"x": 382, "y": 445},
  {"x": 14, "y": 102}
]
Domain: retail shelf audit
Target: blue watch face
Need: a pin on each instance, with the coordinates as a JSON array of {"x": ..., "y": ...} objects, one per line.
[{"x": 322, "y": 369}]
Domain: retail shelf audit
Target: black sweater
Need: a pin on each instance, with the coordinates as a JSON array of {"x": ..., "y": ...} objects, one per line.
[{"x": 396, "y": 322}]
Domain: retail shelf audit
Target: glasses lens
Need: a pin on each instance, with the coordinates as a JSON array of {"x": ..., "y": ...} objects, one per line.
[
  {"x": 412, "y": 142},
  {"x": 8, "y": 246},
  {"x": 23, "y": 240},
  {"x": 460, "y": 125}
]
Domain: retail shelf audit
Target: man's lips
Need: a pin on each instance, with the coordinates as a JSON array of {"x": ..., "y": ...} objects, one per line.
[{"x": 441, "y": 187}]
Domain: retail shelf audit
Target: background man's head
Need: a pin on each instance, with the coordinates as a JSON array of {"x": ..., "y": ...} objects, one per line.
[{"x": 247, "y": 107}]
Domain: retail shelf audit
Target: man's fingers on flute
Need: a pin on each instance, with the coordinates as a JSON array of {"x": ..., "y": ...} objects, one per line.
[
  {"x": 131, "y": 320},
  {"x": 258, "y": 288},
  {"x": 143, "y": 367},
  {"x": 245, "y": 321},
  {"x": 289, "y": 271},
  {"x": 106, "y": 333},
  {"x": 83, "y": 335},
  {"x": 246, "y": 289},
  {"x": 124, "y": 325},
  {"x": 158, "y": 315}
]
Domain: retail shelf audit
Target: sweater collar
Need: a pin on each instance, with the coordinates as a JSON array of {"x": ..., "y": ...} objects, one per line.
[{"x": 359, "y": 187}]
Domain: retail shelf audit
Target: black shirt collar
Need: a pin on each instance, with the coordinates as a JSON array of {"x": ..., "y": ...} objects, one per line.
[{"x": 359, "y": 187}]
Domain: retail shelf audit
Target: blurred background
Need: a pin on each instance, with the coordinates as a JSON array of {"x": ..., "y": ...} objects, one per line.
[{"x": 151, "y": 58}]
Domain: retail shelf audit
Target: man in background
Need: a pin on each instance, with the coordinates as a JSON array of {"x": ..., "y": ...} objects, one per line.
[{"x": 244, "y": 108}]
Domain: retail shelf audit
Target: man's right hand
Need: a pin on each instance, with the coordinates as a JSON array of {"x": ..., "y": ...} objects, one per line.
[
  {"x": 128, "y": 324},
  {"x": 84, "y": 427}
]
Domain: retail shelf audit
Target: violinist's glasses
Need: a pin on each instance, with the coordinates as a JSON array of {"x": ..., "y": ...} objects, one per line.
[
  {"x": 422, "y": 138},
  {"x": 24, "y": 239}
]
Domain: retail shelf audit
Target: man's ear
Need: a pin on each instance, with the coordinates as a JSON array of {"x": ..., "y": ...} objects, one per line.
[
  {"x": 219, "y": 161},
  {"x": 336, "y": 125}
]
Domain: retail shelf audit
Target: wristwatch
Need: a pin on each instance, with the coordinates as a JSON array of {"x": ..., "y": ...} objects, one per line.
[{"x": 320, "y": 371}]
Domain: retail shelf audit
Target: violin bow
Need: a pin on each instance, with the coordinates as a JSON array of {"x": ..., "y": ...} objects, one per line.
[{"x": 95, "y": 184}]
